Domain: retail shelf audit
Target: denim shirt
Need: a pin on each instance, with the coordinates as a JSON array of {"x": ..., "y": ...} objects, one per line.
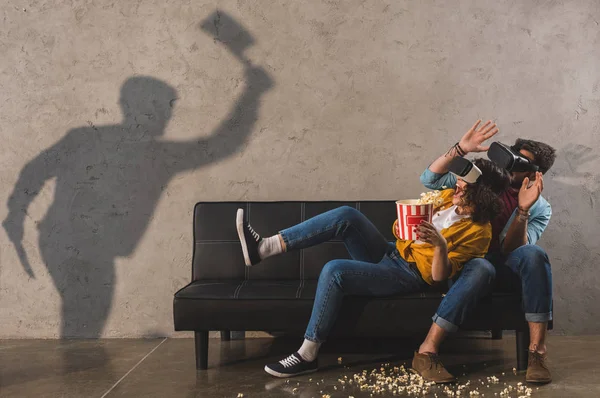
[{"x": 540, "y": 212}]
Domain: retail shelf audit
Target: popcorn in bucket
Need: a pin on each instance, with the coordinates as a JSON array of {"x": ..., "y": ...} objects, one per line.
[{"x": 412, "y": 211}]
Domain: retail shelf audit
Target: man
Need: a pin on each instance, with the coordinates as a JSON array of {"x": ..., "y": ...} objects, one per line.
[{"x": 512, "y": 253}]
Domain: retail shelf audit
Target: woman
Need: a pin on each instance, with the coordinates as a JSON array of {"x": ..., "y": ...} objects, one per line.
[{"x": 460, "y": 230}]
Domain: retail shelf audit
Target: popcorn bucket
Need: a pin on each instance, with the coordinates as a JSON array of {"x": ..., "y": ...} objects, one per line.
[{"x": 410, "y": 214}]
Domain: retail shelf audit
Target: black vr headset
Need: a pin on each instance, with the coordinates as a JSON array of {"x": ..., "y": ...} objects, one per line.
[{"x": 509, "y": 159}]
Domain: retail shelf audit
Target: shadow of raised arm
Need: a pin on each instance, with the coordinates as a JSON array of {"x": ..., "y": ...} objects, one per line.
[{"x": 231, "y": 134}]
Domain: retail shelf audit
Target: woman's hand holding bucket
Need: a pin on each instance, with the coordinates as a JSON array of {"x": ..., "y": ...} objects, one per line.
[{"x": 427, "y": 233}]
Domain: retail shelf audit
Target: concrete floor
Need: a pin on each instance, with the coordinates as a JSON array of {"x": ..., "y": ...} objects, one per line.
[{"x": 165, "y": 367}]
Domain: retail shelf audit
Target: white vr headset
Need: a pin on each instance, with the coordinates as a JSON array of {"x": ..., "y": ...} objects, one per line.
[{"x": 465, "y": 170}]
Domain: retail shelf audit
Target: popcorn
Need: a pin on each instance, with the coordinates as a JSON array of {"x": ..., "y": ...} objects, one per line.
[
  {"x": 390, "y": 380},
  {"x": 431, "y": 197},
  {"x": 493, "y": 379}
]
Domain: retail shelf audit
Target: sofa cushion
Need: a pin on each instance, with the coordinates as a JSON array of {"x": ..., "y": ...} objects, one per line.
[
  {"x": 287, "y": 305},
  {"x": 264, "y": 290}
]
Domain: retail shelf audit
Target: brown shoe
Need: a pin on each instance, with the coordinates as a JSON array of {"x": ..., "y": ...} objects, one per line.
[
  {"x": 430, "y": 368},
  {"x": 537, "y": 371}
]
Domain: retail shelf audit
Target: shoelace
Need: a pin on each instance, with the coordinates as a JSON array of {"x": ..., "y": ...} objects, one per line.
[
  {"x": 253, "y": 232},
  {"x": 289, "y": 361},
  {"x": 435, "y": 361},
  {"x": 536, "y": 357}
]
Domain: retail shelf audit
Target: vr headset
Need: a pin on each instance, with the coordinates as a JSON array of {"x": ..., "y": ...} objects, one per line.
[
  {"x": 509, "y": 159},
  {"x": 464, "y": 169}
]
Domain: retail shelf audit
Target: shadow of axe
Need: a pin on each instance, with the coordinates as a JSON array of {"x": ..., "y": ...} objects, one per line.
[{"x": 229, "y": 32}]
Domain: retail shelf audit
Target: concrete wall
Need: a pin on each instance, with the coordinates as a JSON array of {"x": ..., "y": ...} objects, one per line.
[{"x": 117, "y": 116}]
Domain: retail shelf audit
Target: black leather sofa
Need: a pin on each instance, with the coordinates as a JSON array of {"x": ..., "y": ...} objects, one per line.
[{"x": 277, "y": 294}]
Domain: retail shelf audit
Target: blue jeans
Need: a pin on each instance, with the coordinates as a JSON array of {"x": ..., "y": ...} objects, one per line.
[
  {"x": 376, "y": 267},
  {"x": 526, "y": 270}
]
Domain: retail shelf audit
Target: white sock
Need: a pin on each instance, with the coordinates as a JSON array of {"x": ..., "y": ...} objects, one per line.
[
  {"x": 269, "y": 247},
  {"x": 309, "y": 350}
]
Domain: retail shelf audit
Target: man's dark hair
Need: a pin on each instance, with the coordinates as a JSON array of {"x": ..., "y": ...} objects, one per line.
[
  {"x": 544, "y": 153},
  {"x": 484, "y": 194}
]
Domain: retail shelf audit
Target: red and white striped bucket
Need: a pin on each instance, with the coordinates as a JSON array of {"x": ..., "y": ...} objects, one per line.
[{"x": 410, "y": 214}]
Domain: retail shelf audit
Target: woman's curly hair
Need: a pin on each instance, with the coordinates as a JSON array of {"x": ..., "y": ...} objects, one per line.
[{"x": 484, "y": 194}]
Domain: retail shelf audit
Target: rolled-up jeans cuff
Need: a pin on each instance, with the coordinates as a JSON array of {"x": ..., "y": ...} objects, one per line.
[
  {"x": 313, "y": 339},
  {"x": 444, "y": 324},
  {"x": 285, "y": 238},
  {"x": 538, "y": 317}
]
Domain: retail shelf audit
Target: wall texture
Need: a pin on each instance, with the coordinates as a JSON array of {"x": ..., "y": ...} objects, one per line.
[{"x": 117, "y": 116}]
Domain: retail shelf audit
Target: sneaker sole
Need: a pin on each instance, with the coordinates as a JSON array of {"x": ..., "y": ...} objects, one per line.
[
  {"x": 239, "y": 223},
  {"x": 285, "y": 375}
]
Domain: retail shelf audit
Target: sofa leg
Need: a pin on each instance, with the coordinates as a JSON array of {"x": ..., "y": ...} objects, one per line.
[
  {"x": 201, "y": 341},
  {"x": 522, "y": 349},
  {"x": 497, "y": 334},
  {"x": 225, "y": 335}
]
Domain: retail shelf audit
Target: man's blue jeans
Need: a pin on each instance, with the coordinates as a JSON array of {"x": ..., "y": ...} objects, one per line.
[
  {"x": 376, "y": 267},
  {"x": 526, "y": 270}
]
